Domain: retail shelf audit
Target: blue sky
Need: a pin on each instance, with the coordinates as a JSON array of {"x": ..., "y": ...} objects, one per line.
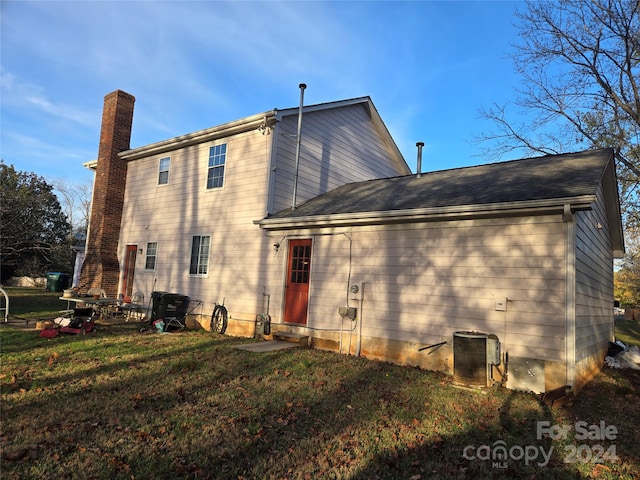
[{"x": 428, "y": 67}]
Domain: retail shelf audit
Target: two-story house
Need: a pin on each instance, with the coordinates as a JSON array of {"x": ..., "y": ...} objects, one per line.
[{"x": 495, "y": 273}]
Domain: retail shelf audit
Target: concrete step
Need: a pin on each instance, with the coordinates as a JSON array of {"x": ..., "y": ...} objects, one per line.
[{"x": 292, "y": 337}]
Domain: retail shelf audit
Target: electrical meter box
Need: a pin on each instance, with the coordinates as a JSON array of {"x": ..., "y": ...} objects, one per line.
[{"x": 348, "y": 312}]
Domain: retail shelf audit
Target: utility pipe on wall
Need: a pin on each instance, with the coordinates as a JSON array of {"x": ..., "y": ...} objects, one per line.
[{"x": 295, "y": 178}]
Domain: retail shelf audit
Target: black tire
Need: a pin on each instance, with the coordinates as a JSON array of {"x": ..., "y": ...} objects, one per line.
[
  {"x": 267, "y": 325},
  {"x": 219, "y": 319}
]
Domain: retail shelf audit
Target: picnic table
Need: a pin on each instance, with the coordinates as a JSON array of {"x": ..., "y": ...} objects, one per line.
[{"x": 103, "y": 305}]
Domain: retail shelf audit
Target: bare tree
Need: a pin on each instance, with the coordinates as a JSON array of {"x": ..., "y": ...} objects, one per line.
[
  {"x": 580, "y": 67},
  {"x": 75, "y": 199}
]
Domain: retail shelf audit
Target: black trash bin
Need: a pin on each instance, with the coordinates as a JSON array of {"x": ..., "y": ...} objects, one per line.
[
  {"x": 57, "y": 281},
  {"x": 157, "y": 308},
  {"x": 168, "y": 305}
]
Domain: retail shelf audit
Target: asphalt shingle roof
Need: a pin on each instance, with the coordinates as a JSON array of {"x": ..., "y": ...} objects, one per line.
[{"x": 539, "y": 178}]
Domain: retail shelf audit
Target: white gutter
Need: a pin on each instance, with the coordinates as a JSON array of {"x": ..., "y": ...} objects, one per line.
[
  {"x": 91, "y": 165},
  {"x": 253, "y": 122},
  {"x": 583, "y": 202}
]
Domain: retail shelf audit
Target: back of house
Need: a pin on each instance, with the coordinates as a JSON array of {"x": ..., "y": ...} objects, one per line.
[{"x": 499, "y": 273}]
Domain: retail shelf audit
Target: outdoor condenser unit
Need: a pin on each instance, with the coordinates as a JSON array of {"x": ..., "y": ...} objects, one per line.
[{"x": 473, "y": 355}]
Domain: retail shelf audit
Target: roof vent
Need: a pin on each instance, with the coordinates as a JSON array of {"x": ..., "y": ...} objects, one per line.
[{"x": 419, "y": 145}]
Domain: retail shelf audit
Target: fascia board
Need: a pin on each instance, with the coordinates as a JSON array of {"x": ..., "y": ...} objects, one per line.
[
  {"x": 430, "y": 214},
  {"x": 221, "y": 131},
  {"x": 612, "y": 207},
  {"x": 322, "y": 106}
]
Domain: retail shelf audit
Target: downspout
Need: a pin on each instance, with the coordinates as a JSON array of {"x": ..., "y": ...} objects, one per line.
[
  {"x": 295, "y": 177},
  {"x": 90, "y": 166},
  {"x": 272, "y": 159},
  {"x": 570, "y": 287},
  {"x": 359, "y": 348}
]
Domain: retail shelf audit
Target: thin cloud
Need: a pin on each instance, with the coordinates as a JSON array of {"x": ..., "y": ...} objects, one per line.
[
  {"x": 18, "y": 94},
  {"x": 36, "y": 148}
]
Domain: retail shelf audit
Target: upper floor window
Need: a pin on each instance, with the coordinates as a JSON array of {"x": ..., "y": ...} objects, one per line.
[
  {"x": 152, "y": 252},
  {"x": 163, "y": 171},
  {"x": 200, "y": 245},
  {"x": 215, "y": 172}
]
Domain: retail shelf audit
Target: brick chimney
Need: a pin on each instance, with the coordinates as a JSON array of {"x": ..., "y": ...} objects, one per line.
[{"x": 101, "y": 267}]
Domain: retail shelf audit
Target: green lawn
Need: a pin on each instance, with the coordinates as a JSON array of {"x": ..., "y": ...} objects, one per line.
[
  {"x": 628, "y": 332},
  {"x": 126, "y": 405},
  {"x": 34, "y": 303}
]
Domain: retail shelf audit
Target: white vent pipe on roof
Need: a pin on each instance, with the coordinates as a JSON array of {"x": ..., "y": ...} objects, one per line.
[
  {"x": 295, "y": 178},
  {"x": 419, "y": 145}
]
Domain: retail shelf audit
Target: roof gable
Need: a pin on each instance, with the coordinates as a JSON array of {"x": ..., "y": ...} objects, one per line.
[{"x": 264, "y": 120}]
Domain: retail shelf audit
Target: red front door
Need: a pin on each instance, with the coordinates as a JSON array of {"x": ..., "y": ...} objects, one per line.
[
  {"x": 129, "y": 271},
  {"x": 297, "y": 285}
]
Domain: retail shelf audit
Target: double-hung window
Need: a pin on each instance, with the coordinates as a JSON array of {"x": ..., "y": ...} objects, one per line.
[
  {"x": 200, "y": 246},
  {"x": 215, "y": 171},
  {"x": 152, "y": 253},
  {"x": 163, "y": 171}
]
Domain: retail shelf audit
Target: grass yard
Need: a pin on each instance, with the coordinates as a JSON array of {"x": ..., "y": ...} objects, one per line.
[
  {"x": 124, "y": 405},
  {"x": 33, "y": 303}
]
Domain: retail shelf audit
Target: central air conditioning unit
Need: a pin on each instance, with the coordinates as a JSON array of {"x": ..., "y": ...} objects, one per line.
[{"x": 474, "y": 354}]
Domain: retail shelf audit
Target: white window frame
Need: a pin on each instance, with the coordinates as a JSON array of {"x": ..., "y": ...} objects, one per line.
[
  {"x": 154, "y": 256},
  {"x": 202, "y": 262},
  {"x": 214, "y": 157},
  {"x": 164, "y": 171}
]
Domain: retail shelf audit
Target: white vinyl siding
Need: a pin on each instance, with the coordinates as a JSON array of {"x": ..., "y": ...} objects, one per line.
[
  {"x": 337, "y": 147},
  {"x": 594, "y": 282},
  {"x": 243, "y": 264},
  {"x": 426, "y": 281},
  {"x": 184, "y": 208}
]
